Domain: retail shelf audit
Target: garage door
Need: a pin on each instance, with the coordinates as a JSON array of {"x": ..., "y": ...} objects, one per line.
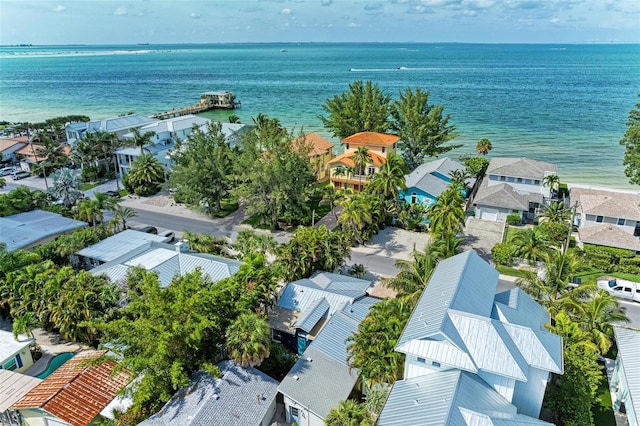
[{"x": 489, "y": 214}]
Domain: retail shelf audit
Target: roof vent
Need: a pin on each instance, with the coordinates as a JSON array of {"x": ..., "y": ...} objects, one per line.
[
  {"x": 215, "y": 396},
  {"x": 415, "y": 402},
  {"x": 295, "y": 377},
  {"x": 309, "y": 359}
]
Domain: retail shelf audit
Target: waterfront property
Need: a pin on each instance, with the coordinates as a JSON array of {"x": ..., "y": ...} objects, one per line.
[
  {"x": 320, "y": 153},
  {"x": 14, "y": 353},
  {"x": 241, "y": 396},
  {"x": 306, "y": 305},
  {"x": 346, "y": 174},
  {"x": 513, "y": 186},
  {"x": 9, "y": 146},
  {"x": 321, "y": 378},
  {"x": 168, "y": 260},
  {"x": 429, "y": 180},
  {"x": 118, "y": 125},
  {"x": 607, "y": 218},
  {"x": 487, "y": 354},
  {"x": 13, "y": 386},
  {"x": 625, "y": 382},
  {"x": 75, "y": 394},
  {"x": 31, "y": 229}
]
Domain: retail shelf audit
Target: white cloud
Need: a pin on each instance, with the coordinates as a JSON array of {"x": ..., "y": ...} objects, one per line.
[
  {"x": 121, "y": 11},
  {"x": 285, "y": 12},
  {"x": 59, "y": 8},
  {"x": 195, "y": 15}
]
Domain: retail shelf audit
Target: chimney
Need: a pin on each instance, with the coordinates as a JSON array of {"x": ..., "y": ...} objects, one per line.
[{"x": 182, "y": 246}]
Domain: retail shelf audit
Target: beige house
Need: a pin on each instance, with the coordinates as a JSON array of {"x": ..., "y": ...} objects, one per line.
[
  {"x": 320, "y": 153},
  {"x": 607, "y": 218},
  {"x": 345, "y": 174}
]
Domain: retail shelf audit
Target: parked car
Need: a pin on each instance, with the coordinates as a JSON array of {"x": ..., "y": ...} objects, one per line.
[
  {"x": 149, "y": 230},
  {"x": 621, "y": 288},
  {"x": 6, "y": 171},
  {"x": 170, "y": 235},
  {"x": 19, "y": 174},
  {"x": 114, "y": 194}
]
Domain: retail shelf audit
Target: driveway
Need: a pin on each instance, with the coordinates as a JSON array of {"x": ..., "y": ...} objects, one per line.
[{"x": 482, "y": 235}]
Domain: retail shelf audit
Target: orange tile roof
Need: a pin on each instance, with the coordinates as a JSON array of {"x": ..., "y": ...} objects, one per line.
[
  {"x": 6, "y": 143},
  {"x": 75, "y": 393},
  {"x": 317, "y": 143},
  {"x": 372, "y": 138},
  {"x": 28, "y": 151},
  {"x": 347, "y": 159}
]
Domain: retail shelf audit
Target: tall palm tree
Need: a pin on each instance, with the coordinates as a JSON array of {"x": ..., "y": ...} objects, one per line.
[
  {"x": 108, "y": 144},
  {"x": 448, "y": 245},
  {"x": 483, "y": 146},
  {"x": 555, "y": 212},
  {"x": 90, "y": 211},
  {"x": 447, "y": 214},
  {"x": 349, "y": 413},
  {"x": 552, "y": 181},
  {"x": 390, "y": 179},
  {"x": 122, "y": 214},
  {"x": 333, "y": 197},
  {"x": 595, "y": 311},
  {"x": 459, "y": 179},
  {"x": 146, "y": 173},
  {"x": 413, "y": 276},
  {"x": 355, "y": 217},
  {"x": 50, "y": 152},
  {"x": 361, "y": 158},
  {"x": 141, "y": 139},
  {"x": 249, "y": 340},
  {"x": 530, "y": 245}
]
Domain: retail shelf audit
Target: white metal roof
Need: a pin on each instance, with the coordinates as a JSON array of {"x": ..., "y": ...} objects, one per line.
[
  {"x": 118, "y": 245},
  {"x": 9, "y": 346},
  {"x": 628, "y": 342},
  {"x": 13, "y": 386},
  {"x": 24, "y": 229}
]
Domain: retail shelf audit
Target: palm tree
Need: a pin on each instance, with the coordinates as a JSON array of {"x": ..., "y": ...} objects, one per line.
[
  {"x": 483, "y": 146},
  {"x": 50, "y": 152},
  {"x": 358, "y": 270},
  {"x": 530, "y": 244},
  {"x": 333, "y": 197},
  {"x": 446, "y": 214},
  {"x": 3, "y": 183},
  {"x": 249, "y": 339},
  {"x": 459, "y": 179},
  {"x": 141, "y": 139},
  {"x": 413, "y": 276},
  {"x": 356, "y": 216},
  {"x": 146, "y": 174},
  {"x": 595, "y": 311},
  {"x": 555, "y": 212},
  {"x": 89, "y": 210},
  {"x": 390, "y": 179},
  {"x": 24, "y": 325},
  {"x": 108, "y": 145},
  {"x": 552, "y": 181},
  {"x": 349, "y": 413},
  {"x": 361, "y": 158},
  {"x": 122, "y": 214},
  {"x": 448, "y": 245}
]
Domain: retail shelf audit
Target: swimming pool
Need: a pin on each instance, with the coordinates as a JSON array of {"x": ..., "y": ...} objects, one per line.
[{"x": 55, "y": 363}]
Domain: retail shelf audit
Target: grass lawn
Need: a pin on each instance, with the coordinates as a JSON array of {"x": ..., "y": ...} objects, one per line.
[
  {"x": 228, "y": 204},
  {"x": 512, "y": 272},
  {"x": 512, "y": 231},
  {"x": 87, "y": 186},
  {"x": 601, "y": 409},
  {"x": 254, "y": 221}
]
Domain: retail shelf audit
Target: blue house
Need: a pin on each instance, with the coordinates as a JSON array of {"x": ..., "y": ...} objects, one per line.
[{"x": 429, "y": 180}]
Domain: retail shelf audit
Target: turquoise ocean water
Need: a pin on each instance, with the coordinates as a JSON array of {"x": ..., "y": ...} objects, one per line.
[{"x": 566, "y": 104}]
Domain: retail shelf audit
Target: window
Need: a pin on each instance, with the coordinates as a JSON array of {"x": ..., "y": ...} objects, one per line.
[
  {"x": 276, "y": 336},
  {"x": 295, "y": 412},
  {"x": 10, "y": 365},
  {"x": 621, "y": 222},
  {"x": 599, "y": 219},
  {"x": 414, "y": 198},
  {"x": 371, "y": 171},
  {"x": 536, "y": 182},
  {"x": 435, "y": 364},
  {"x": 384, "y": 148},
  {"x": 346, "y": 146},
  {"x": 503, "y": 178},
  {"x": 519, "y": 180},
  {"x": 422, "y": 360}
]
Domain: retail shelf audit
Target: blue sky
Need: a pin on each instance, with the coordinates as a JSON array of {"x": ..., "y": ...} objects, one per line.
[{"x": 220, "y": 21}]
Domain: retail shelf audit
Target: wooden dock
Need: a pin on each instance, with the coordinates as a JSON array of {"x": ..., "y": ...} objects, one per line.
[
  {"x": 192, "y": 109},
  {"x": 208, "y": 101}
]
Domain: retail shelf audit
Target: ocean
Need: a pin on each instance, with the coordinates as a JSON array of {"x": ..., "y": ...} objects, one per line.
[{"x": 566, "y": 104}]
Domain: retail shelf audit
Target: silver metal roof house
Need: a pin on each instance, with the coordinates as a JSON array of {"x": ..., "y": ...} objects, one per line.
[
  {"x": 168, "y": 260},
  {"x": 31, "y": 229},
  {"x": 115, "y": 246},
  {"x": 460, "y": 324},
  {"x": 242, "y": 396},
  {"x": 434, "y": 177},
  {"x": 625, "y": 383},
  {"x": 321, "y": 378}
]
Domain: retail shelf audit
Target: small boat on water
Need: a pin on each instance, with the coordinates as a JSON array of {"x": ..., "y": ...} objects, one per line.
[{"x": 283, "y": 50}]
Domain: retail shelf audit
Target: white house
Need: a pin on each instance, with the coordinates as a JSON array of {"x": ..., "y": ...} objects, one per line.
[
  {"x": 14, "y": 354},
  {"x": 492, "y": 352},
  {"x": 240, "y": 397},
  {"x": 625, "y": 382},
  {"x": 31, "y": 229},
  {"x": 607, "y": 218},
  {"x": 117, "y": 125},
  {"x": 513, "y": 186}
]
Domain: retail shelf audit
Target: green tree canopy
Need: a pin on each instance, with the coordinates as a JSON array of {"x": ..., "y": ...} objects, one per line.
[
  {"x": 483, "y": 146},
  {"x": 423, "y": 128},
  {"x": 363, "y": 108},
  {"x": 249, "y": 339},
  {"x": 145, "y": 177},
  {"x": 631, "y": 142},
  {"x": 349, "y": 413}
]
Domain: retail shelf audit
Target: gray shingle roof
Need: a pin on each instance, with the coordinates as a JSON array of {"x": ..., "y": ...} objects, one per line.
[
  {"x": 606, "y": 203},
  {"x": 449, "y": 398},
  {"x": 628, "y": 342},
  {"x": 520, "y": 167},
  {"x": 504, "y": 195},
  {"x": 242, "y": 396},
  {"x": 24, "y": 229},
  {"x": 610, "y": 236}
]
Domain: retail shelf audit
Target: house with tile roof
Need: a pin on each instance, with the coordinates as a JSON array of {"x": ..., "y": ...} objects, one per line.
[
  {"x": 9, "y": 146},
  {"x": 241, "y": 396},
  {"x": 513, "y": 186},
  {"x": 625, "y": 381},
  {"x": 167, "y": 261},
  {"x": 31, "y": 229},
  {"x": 429, "y": 180},
  {"x": 304, "y": 307},
  {"x": 607, "y": 218},
  {"x": 14, "y": 353},
  {"x": 321, "y": 377},
  {"x": 320, "y": 153},
  {"x": 28, "y": 156},
  {"x": 343, "y": 171},
  {"x": 75, "y": 394},
  {"x": 491, "y": 350}
]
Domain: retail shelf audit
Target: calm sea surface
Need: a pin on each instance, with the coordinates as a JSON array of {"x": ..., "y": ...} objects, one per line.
[{"x": 566, "y": 104}]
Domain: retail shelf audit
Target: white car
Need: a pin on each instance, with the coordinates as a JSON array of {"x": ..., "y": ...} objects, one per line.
[
  {"x": 6, "y": 171},
  {"x": 621, "y": 288}
]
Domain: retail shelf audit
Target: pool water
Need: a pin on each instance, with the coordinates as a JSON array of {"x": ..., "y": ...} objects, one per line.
[{"x": 55, "y": 363}]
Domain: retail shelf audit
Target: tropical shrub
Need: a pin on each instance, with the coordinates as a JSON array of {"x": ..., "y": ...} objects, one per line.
[
  {"x": 514, "y": 220},
  {"x": 608, "y": 259},
  {"x": 502, "y": 254},
  {"x": 556, "y": 232}
]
